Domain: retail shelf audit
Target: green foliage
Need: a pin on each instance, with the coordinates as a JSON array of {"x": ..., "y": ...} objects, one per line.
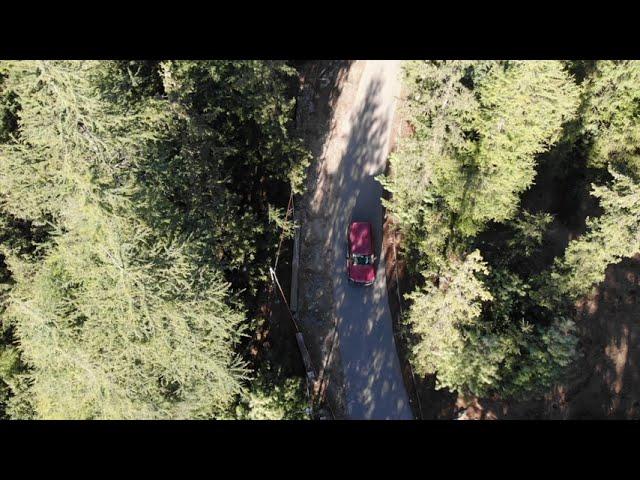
[
  {"x": 529, "y": 229},
  {"x": 274, "y": 397},
  {"x": 279, "y": 217},
  {"x": 246, "y": 104},
  {"x": 481, "y": 334},
  {"x": 440, "y": 109},
  {"x": 473, "y": 368},
  {"x": 113, "y": 330},
  {"x": 523, "y": 106},
  {"x": 438, "y": 313},
  {"x": 137, "y": 196},
  {"x": 510, "y": 298},
  {"x": 120, "y": 319},
  {"x": 229, "y": 156},
  {"x": 8, "y": 109},
  {"x": 524, "y": 244},
  {"x": 519, "y": 362},
  {"x": 610, "y": 237},
  {"x": 541, "y": 359},
  {"x": 612, "y": 114},
  {"x": 478, "y": 128},
  {"x": 9, "y": 362},
  {"x": 62, "y": 118},
  {"x": 9, "y": 367},
  {"x": 536, "y": 343}
]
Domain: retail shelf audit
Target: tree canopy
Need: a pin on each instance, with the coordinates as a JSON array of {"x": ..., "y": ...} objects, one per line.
[
  {"x": 134, "y": 197},
  {"x": 479, "y": 129}
]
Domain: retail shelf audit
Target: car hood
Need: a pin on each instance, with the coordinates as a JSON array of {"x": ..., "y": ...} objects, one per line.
[{"x": 362, "y": 273}]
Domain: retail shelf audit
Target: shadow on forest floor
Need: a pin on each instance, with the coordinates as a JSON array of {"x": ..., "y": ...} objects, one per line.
[{"x": 604, "y": 382}]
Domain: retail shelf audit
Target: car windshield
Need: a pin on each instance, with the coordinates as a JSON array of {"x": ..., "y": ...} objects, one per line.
[{"x": 362, "y": 259}]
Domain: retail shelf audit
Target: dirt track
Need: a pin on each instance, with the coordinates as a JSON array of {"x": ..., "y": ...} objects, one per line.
[{"x": 345, "y": 189}]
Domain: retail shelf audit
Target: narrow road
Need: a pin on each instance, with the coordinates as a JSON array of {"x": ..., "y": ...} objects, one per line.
[{"x": 373, "y": 379}]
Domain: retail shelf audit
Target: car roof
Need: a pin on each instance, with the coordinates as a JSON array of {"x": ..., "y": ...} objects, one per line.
[{"x": 360, "y": 238}]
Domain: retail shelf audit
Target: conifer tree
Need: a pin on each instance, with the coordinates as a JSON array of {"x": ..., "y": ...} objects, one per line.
[
  {"x": 440, "y": 109},
  {"x": 609, "y": 238},
  {"x": 476, "y": 332},
  {"x": 231, "y": 156},
  {"x": 523, "y": 107},
  {"x": 612, "y": 114},
  {"x": 439, "y": 313},
  {"x": 478, "y": 127},
  {"x": 117, "y": 320}
]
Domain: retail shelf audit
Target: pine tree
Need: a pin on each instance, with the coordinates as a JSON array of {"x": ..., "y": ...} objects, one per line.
[
  {"x": 272, "y": 396},
  {"x": 523, "y": 107},
  {"x": 8, "y": 108},
  {"x": 117, "y": 325},
  {"x": 231, "y": 156},
  {"x": 612, "y": 114},
  {"x": 118, "y": 320},
  {"x": 543, "y": 354},
  {"x": 439, "y": 313},
  {"x": 477, "y": 332},
  {"x": 610, "y": 237},
  {"x": 478, "y": 128},
  {"x": 440, "y": 109}
]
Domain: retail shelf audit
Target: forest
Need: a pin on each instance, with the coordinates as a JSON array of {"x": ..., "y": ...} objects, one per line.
[
  {"x": 494, "y": 281},
  {"x": 142, "y": 203}
]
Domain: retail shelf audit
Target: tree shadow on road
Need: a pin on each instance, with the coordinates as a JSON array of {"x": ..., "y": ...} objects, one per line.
[{"x": 368, "y": 353}]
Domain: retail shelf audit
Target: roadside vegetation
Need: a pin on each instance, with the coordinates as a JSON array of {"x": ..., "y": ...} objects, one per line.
[
  {"x": 141, "y": 204},
  {"x": 492, "y": 312}
]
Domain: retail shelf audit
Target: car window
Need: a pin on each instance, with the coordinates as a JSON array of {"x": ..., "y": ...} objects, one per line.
[{"x": 362, "y": 259}]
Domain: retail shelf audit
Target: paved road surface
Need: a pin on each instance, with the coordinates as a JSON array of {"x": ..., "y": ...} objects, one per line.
[{"x": 373, "y": 380}]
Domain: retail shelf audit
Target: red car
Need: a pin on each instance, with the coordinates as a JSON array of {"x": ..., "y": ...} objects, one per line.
[{"x": 360, "y": 258}]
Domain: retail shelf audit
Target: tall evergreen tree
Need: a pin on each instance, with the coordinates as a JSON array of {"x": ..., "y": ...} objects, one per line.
[
  {"x": 439, "y": 313},
  {"x": 478, "y": 128},
  {"x": 477, "y": 331},
  {"x": 117, "y": 321},
  {"x": 440, "y": 109},
  {"x": 609, "y": 238},
  {"x": 523, "y": 107},
  {"x": 231, "y": 156},
  {"x": 612, "y": 114}
]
